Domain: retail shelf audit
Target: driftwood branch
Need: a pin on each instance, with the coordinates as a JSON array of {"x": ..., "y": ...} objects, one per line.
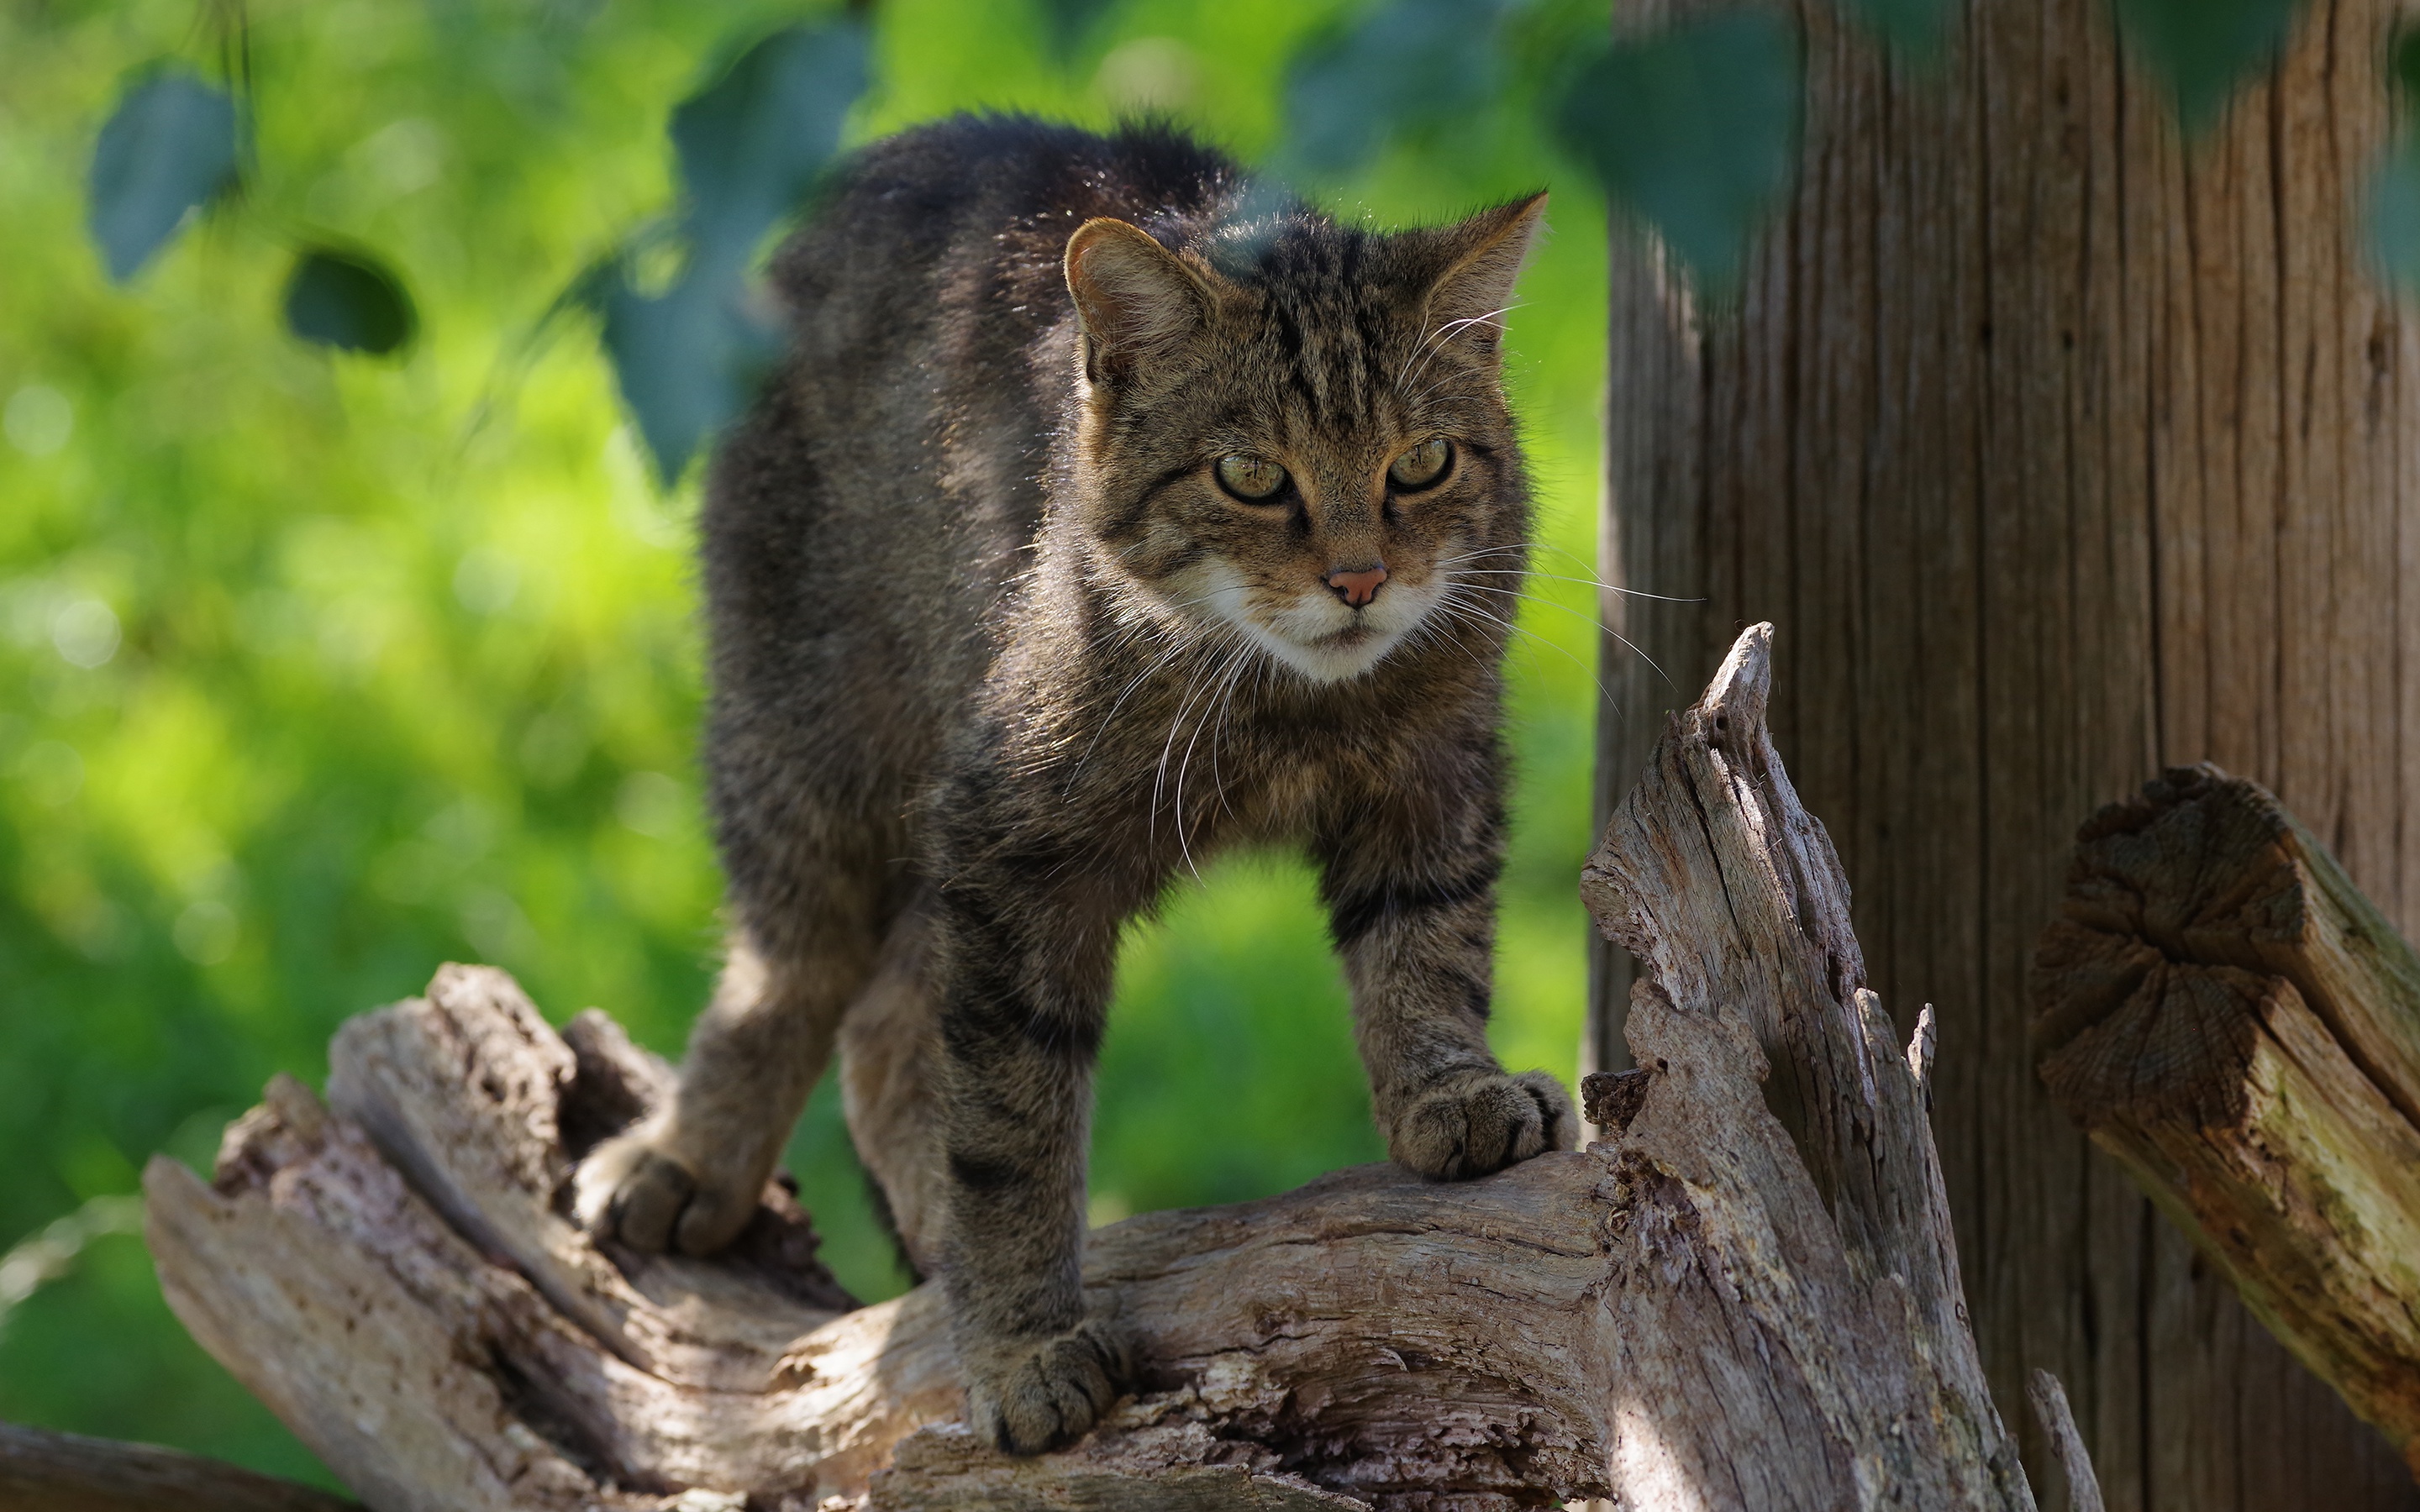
[
  {"x": 1746, "y": 1298},
  {"x": 2230, "y": 1018}
]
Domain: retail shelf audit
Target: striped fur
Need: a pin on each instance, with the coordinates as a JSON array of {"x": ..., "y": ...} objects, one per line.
[{"x": 995, "y": 660}]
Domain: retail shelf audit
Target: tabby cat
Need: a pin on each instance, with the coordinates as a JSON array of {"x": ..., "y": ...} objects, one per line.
[{"x": 1106, "y": 514}]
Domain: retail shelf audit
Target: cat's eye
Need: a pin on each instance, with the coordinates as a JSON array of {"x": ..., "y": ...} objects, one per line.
[
  {"x": 1255, "y": 480},
  {"x": 1422, "y": 465}
]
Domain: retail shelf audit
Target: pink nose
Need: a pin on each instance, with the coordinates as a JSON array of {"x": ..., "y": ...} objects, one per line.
[{"x": 1358, "y": 587}]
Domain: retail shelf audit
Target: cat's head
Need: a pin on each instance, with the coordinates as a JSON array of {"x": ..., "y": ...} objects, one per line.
[{"x": 1298, "y": 430}]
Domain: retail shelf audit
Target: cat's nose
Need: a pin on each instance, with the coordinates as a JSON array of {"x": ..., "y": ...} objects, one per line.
[{"x": 1357, "y": 586}]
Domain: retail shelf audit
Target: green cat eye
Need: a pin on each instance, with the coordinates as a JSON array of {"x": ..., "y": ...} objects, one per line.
[
  {"x": 1422, "y": 465},
  {"x": 1255, "y": 480}
]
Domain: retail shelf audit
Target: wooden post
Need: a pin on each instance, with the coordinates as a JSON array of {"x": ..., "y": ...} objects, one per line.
[{"x": 2061, "y": 451}]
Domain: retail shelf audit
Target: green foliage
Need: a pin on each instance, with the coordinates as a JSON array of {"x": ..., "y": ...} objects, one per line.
[
  {"x": 2395, "y": 188},
  {"x": 2204, "y": 49},
  {"x": 1406, "y": 68},
  {"x": 1695, "y": 128},
  {"x": 1911, "y": 26},
  {"x": 348, "y": 301},
  {"x": 168, "y": 150},
  {"x": 750, "y": 147},
  {"x": 317, "y": 669}
]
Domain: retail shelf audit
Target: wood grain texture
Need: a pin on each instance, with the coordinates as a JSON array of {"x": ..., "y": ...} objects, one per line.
[
  {"x": 1747, "y": 1301},
  {"x": 2225, "y": 1014},
  {"x": 1792, "y": 1330},
  {"x": 45, "y": 1471},
  {"x": 2060, "y": 452}
]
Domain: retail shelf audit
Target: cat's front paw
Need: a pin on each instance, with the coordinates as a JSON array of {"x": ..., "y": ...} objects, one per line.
[
  {"x": 1481, "y": 1123},
  {"x": 1024, "y": 1398},
  {"x": 635, "y": 1189}
]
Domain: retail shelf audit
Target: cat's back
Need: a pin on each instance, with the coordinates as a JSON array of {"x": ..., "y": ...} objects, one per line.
[{"x": 864, "y": 518}]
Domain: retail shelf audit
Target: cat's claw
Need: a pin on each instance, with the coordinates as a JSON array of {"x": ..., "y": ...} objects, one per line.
[
  {"x": 1026, "y": 1400},
  {"x": 630, "y": 1188},
  {"x": 1483, "y": 1124}
]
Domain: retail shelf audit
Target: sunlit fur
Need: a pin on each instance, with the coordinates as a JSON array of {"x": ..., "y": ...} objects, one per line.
[{"x": 995, "y": 660}]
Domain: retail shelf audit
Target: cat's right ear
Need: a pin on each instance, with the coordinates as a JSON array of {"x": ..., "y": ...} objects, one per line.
[{"x": 1138, "y": 301}]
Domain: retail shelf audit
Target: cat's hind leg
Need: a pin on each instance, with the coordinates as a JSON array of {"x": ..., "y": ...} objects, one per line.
[
  {"x": 889, "y": 1042},
  {"x": 691, "y": 1176}
]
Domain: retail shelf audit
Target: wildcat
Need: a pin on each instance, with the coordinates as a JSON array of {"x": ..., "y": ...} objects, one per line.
[{"x": 1100, "y": 518}]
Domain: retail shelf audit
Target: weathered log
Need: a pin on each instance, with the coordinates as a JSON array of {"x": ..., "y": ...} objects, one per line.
[
  {"x": 1683, "y": 1316},
  {"x": 45, "y": 1471},
  {"x": 2230, "y": 1018}
]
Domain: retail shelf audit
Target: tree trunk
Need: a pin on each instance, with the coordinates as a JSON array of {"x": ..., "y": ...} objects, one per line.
[
  {"x": 1744, "y": 1300},
  {"x": 2061, "y": 451}
]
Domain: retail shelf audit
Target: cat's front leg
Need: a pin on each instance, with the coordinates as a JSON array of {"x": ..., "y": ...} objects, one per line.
[
  {"x": 1027, "y": 961},
  {"x": 1409, "y": 879}
]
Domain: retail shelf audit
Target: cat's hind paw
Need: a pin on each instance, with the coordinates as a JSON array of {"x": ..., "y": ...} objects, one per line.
[
  {"x": 1483, "y": 1123},
  {"x": 1026, "y": 1400},
  {"x": 631, "y": 1188}
]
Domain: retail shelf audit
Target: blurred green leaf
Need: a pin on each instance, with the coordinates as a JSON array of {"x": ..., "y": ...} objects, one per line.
[
  {"x": 751, "y": 145},
  {"x": 689, "y": 360},
  {"x": 1910, "y": 25},
  {"x": 1406, "y": 66},
  {"x": 2204, "y": 48},
  {"x": 1696, "y": 130},
  {"x": 2395, "y": 216},
  {"x": 168, "y": 148},
  {"x": 348, "y": 301},
  {"x": 1066, "y": 21}
]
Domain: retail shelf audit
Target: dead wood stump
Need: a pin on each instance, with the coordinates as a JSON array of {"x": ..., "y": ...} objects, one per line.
[{"x": 1746, "y": 1298}]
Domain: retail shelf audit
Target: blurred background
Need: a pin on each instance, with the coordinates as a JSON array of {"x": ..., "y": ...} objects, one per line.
[{"x": 347, "y": 624}]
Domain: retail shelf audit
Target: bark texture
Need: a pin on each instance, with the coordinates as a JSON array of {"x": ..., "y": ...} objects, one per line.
[
  {"x": 2061, "y": 452},
  {"x": 2226, "y": 1015},
  {"x": 1791, "y": 1331},
  {"x": 1745, "y": 1299},
  {"x": 44, "y": 1471}
]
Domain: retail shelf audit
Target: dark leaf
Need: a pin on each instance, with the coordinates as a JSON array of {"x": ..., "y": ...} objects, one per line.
[
  {"x": 1065, "y": 21},
  {"x": 2405, "y": 66},
  {"x": 1909, "y": 25},
  {"x": 1408, "y": 65},
  {"x": 168, "y": 148},
  {"x": 2204, "y": 48},
  {"x": 687, "y": 360},
  {"x": 1696, "y": 130},
  {"x": 751, "y": 144},
  {"x": 2394, "y": 215},
  {"x": 348, "y": 301}
]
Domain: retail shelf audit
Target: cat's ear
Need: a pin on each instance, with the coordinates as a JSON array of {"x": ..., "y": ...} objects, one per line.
[
  {"x": 1138, "y": 301},
  {"x": 1467, "y": 301}
]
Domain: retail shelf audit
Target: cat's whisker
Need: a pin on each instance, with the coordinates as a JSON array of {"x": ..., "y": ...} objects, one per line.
[
  {"x": 1235, "y": 669},
  {"x": 1585, "y": 583},
  {"x": 1203, "y": 693},
  {"x": 1589, "y": 619},
  {"x": 1165, "y": 658},
  {"x": 1450, "y": 603},
  {"x": 1434, "y": 342}
]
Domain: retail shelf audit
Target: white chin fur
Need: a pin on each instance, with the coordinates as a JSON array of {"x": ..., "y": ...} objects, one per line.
[{"x": 1316, "y": 634}]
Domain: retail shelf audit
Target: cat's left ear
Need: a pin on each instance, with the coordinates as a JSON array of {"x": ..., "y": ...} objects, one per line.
[
  {"x": 1467, "y": 301},
  {"x": 1137, "y": 302}
]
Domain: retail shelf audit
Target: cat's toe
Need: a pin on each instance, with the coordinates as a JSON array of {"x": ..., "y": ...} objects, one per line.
[
  {"x": 1040, "y": 1397},
  {"x": 1482, "y": 1124}
]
